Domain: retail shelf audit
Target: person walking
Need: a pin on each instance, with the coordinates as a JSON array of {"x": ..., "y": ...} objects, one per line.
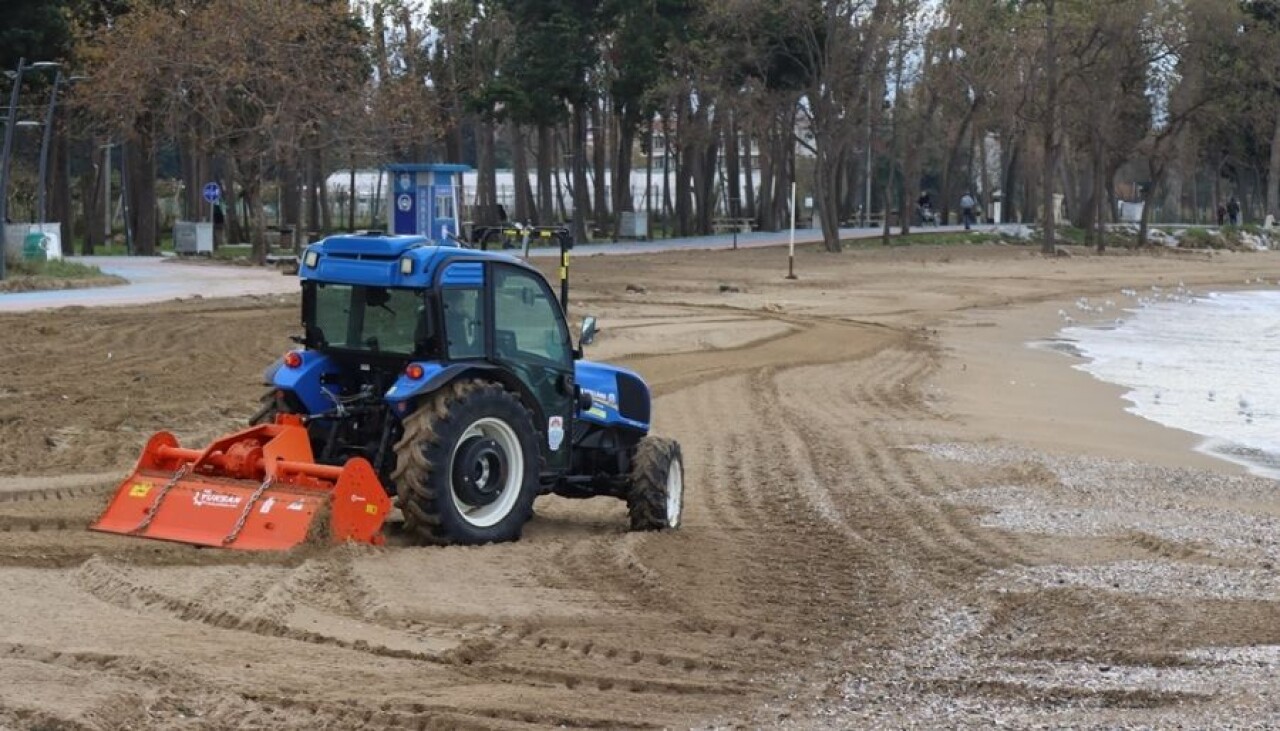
[
  {"x": 1222, "y": 215},
  {"x": 1233, "y": 210},
  {"x": 967, "y": 204}
]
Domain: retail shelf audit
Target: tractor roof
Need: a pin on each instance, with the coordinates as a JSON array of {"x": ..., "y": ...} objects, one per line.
[{"x": 377, "y": 259}]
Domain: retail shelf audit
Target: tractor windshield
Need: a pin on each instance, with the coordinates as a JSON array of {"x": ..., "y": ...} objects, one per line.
[{"x": 374, "y": 319}]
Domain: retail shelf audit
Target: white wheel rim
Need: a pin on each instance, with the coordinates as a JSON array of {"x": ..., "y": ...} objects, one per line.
[
  {"x": 675, "y": 493},
  {"x": 485, "y": 516}
]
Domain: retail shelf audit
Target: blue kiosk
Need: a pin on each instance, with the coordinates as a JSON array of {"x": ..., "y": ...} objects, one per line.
[{"x": 426, "y": 199}]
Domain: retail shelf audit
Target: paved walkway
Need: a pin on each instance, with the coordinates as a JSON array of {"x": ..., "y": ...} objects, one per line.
[
  {"x": 753, "y": 240},
  {"x": 156, "y": 279}
]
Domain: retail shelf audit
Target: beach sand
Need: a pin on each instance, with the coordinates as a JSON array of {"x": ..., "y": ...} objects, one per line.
[{"x": 897, "y": 515}]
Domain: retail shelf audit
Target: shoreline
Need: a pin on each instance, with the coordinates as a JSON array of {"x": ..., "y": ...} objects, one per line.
[{"x": 999, "y": 383}]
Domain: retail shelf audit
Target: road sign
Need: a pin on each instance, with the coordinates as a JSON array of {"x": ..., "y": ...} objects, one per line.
[{"x": 212, "y": 192}]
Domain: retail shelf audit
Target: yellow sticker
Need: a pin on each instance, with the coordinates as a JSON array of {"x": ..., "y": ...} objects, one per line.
[
  {"x": 139, "y": 489},
  {"x": 371, "y": 509}
]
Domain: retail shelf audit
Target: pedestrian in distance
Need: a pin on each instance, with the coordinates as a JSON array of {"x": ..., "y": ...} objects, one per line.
[
  {"x": 967, "y": 204},
  {"x": 924, "y": 209},
  {"x": 1233, "y": 211},
  {"x": 1222, "y": 214}
]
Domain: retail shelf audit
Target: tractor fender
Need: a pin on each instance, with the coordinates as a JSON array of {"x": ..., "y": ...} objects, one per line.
[
  {"x": 406, "y": 391},
  {"x": 304, "y": 379}
]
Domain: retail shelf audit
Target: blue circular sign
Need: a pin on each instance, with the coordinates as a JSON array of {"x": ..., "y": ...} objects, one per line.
[{"x": 212, "y": 192}]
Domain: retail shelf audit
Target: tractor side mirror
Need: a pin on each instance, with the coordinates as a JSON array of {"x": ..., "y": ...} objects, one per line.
[{"x": 588, "y": 335}]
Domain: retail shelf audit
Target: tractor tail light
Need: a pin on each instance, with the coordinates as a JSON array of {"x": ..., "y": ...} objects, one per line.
[
  {"x": 414, "y": 371},
  {"x": 292, "y": 359}
]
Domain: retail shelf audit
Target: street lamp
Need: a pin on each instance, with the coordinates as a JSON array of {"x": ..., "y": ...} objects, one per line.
[
  {"x": 58, "y": 80},
  {"x": 11, "y": 123}
]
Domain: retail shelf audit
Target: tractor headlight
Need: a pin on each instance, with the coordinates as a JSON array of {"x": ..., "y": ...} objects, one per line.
[
  {"x": 311, "y": 258},
  {"x": 406, "y": 265}
]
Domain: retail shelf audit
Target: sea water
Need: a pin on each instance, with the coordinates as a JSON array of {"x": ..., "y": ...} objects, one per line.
[{"x": 1208, "y": 364}]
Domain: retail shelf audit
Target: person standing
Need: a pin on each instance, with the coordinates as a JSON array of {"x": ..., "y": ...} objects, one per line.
[
  {"x": 967, "y": 204},
  {"x": 1233, "y": 210},
  {"x": 1222, "y": 215}
]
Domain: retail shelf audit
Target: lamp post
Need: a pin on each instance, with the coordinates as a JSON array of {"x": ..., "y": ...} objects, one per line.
[
  {"x": 11, "y": 121},
  {"x": 58, "y": 80}
]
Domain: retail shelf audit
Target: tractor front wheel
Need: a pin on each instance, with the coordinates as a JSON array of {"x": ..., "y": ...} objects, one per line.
[
  {"x": 467, "y": 466},
  {"x": 655, "y": 489}
]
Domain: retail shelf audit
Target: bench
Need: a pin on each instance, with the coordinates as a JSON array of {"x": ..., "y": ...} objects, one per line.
[{"x": 731, "y": 225}]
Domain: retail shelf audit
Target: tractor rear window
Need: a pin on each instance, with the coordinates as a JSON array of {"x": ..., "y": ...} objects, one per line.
[{"x": 374, "y": 319}]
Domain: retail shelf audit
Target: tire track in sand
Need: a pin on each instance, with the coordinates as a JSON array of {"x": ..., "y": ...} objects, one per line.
[
  {"x": 112, "y": 584},
  {"x": 865, "y": 473}
]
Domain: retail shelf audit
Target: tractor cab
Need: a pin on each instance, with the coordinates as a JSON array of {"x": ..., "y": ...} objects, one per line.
[{"x": 398, "y": 316}]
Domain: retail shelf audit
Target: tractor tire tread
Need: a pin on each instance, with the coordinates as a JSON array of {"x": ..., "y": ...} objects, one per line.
[
  {"x": 268, "y": 407},
  {"x": 419, "y": 502},
  {"x": 647, "y": 482}
]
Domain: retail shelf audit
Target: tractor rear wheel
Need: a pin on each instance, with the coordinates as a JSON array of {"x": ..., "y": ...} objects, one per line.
[
  {"x": 268, "y": 406},
  {"x": 467, "y": 466},
  {"x": 655, "y": 487}
]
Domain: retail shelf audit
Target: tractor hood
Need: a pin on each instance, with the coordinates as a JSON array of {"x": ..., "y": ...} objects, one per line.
[{"x": 619, "y": 397}]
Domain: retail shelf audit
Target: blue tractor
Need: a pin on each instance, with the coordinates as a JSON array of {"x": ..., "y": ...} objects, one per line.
[{"x": 452, "y": 372}]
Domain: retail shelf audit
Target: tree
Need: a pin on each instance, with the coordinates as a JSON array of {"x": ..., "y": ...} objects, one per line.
[{"x": 257, "y": 80}]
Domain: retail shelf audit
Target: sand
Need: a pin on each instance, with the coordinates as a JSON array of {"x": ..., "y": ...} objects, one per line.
[{"x": 897, "y": 515}]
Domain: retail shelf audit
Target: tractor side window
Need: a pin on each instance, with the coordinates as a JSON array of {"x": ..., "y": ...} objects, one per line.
[
  {"x": 332, "y": 312},
  {"x": 527, "y": 322},
  {"x": 464, "y": 322}
]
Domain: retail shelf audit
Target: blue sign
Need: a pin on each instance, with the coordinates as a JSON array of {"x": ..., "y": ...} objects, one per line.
[{"x": 212, "y": 192}]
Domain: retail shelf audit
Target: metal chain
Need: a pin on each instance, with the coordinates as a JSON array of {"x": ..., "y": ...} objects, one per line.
[
  {"x": 244, "y": 515},
  {"x": 155, "y": 507}
]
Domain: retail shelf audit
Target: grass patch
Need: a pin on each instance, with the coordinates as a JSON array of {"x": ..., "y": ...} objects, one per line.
[
  {"x": 26, "y": 275},
  {"x": 1201, "y": 238},
  {"x": 58, "y": 268}
]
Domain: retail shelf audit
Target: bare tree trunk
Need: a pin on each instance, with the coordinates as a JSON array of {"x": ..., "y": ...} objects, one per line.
[
  {"x": 291, "y": 200},
  {"x": 600, "y": 163},
  {"x": 949, "y": 192},
  {"x": 704, "y": 175},
  {"x": 732, "y": 169},
  {"x": 578, "y": 163},
  {"x": 313, "y": 193},
  {"x": 1050, "y": 144},
  {"x": 486, "y": 213},
  {"x": 257, "y": 214},
  {"x": 60, "y": 198},
  {"x": 747, "y": 176},
  {"x": 351, "y": 197},
  {"x": 1144, "y": 220},
  {"x": 524, "y": 207},
  {"x": 1009, "y": 185},
  {"x": 666, "y": 173},
  {"x": 648, "y": 174},
  {"x": 1273, "y": 172},
  {"x": 546, "y": 159},
  {"x": 322, "y": 192},
  {"x": 764, "y": 201},
  {"x": 684, "y": 191},
  {"x": 622, "y": 198},
  {"x": 93, "y": 201},
  {"x": 140, "y": 158}
]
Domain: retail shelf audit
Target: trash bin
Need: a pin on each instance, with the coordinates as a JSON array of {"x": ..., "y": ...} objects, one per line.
[{"x": 35, "y": 247}]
